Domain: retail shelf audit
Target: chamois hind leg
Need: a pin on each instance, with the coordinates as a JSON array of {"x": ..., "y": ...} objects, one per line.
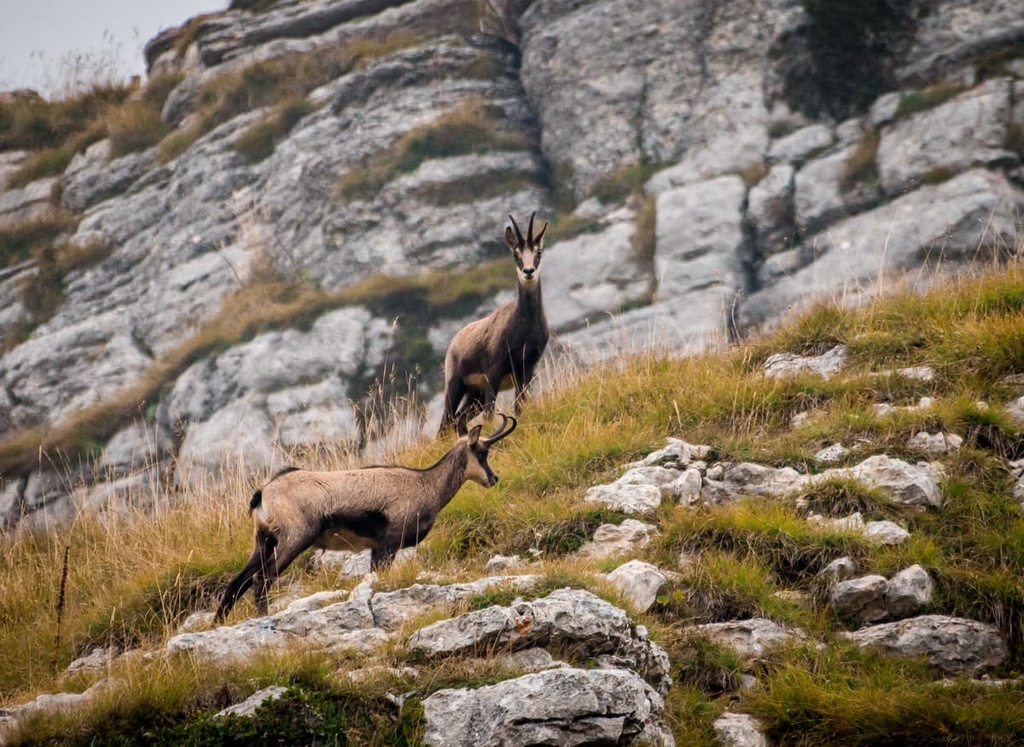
[
  {"x": 454, "y": 391},
  {"x": 238, "y": 586},
  {"x": 266, "y": 572},
  {"x": 278, "y": 558}
]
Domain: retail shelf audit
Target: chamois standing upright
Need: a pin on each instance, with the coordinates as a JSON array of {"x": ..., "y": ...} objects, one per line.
[
  {"x": 501, "y": 350},
  {"x": 382, "y": 509}
]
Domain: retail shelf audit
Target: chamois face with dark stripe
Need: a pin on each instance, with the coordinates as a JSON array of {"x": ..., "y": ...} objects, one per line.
[
  {"x": 382, "y": 509},
  {"x": 501, "y": 350}
]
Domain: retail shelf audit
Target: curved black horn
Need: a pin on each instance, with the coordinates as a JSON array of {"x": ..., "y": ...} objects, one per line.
[
  {"x": 502, "y": 430},
  {"x": 529, "y": 229},
  {"x": 519, "y": 234},
  {"x": 538, "y": 237}
]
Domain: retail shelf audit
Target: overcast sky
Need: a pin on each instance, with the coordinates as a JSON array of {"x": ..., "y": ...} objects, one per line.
[{"x": 43, "y": 42}]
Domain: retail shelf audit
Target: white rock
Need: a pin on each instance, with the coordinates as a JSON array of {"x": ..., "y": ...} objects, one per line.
[
  {"x": 886, "y": 532},
  {"x": 685, "y": 489},
  {"x": 739, "y": 730},
  {"x": 639, "y": 582},
  {"x": 630, "y": 499},
  {"x": 861, "y": 599},
  {"x": 831, "y": 454},
  {"x": 248, "y": 706},
  {"x": 616, "y": 539},
  {"x": 825, "y": 365},
  {"x": 908, "y": 592},
  {"x": 502, "y": 564},
  {"x": 935, "y": 443}
]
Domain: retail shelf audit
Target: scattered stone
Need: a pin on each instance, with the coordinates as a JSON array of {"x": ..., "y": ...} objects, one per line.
[
  {"x": 852, "y": 523},
  {"x": 563, "y": 706},
  {"x": 911, "y": 484},
  {"x": 1015, "y": 411},
  {"x": 575, "y": 617},
  {"x": 247, "y": 707},
  {"x": 831, "y": 454},
  {"x": 886, "y": 532},
  {"x": 345, "y": 562},
  {"x": 751, "y": 639},
  {"x": 97, "y": 659},
  {"x": 739, "y": 730},
  {"x": 677, "y": 454},
  {"x": 612, "y": 539},
  {"x": 502, "y": 564},
  {"x": 685, "y": 489},
  {"x": 935, "y": 444},
  {"x": 625, "y": 497},
  {"x": 908, "y": 592},
  {"x": 825, "y": 365},
  {"x": 393, "y": 609},
  {"x": 639, "y": 582},
  {"x": 839, "y": 569},
  {"x": 952, "y": 645},
  {"x": 860, "y": 599}
]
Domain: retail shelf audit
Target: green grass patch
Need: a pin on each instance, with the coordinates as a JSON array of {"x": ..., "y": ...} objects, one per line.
[
  {"x": 257, "y": 142},
  {"x": 913, "y": 102},
  {"x": 470, "y": 128}
]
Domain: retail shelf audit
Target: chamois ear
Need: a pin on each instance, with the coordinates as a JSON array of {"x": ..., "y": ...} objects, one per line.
[
  {"x": 510, "y": 239},
  {"x": 474, "y": 434},
  {"x": 540, "y": 236}
]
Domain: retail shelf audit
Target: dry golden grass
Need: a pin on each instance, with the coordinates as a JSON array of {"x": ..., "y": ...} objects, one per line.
[{"x": 133, "y": 577}]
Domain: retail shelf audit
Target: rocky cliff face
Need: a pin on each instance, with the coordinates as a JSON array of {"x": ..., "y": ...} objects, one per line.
[{"x": 707, "y": 167}]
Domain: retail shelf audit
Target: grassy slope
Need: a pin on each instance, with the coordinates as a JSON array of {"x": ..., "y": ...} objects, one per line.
[{"x": 131, "y": 581}]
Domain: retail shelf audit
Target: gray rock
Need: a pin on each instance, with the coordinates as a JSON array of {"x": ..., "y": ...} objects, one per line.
[
  {"x": 612, "y": 539},
  {"x": 393, "y": 609},
  {"x": 93, "y": 176},
  {"x": 911, "y": 484},
  {"x": 886, "y": 532},
  {"x": 819, "y": 196},
  {"x": 345, "y": 562},
  {"x": 908, "y": 592},
  {"x": 885, "y": 107},
  {"x": 343, "y": 625},
  {"x": 1015, "y": 411},
  {"x": 969, "y": 216},
  {"x": 248, "y": 706},
  {"x": 935, "y": 444},
  {"x": 699, "y": 239},
  {"x": 573, "y": 617},
  {"x": 739, "y": 730},
  {"x": 839, "y": 569},
  {"x": 558, "y": 706},
  {"x": 770, "y": 210},
  {"x": 503, "y": 563},
  {"x": 677, "y": 454},
  {"x": 965, "y": 132},
  {"x": 685, "y": 489},
  {"x": 638, "y": 582},
  {"x": 826, "y": 365},
  {"x": 629, "y": 498},
  {"x": 861, "y": 599},
  {"x": 954, "y": 646},
  {"x": 954, "y": 34},
  {"x": 750, "y": 639},
  {"x": 831, "y": 454},
  {"x": 27, "y": 203},
  {"x": 805, "y": 142}
]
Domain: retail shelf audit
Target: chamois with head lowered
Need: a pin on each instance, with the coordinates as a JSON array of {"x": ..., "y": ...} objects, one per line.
[
  {"x": 501, "y": 350},
  {"x": 382, "y": 509}
]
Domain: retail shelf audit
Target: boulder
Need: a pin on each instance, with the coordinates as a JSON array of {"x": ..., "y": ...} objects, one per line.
[
  {"x": 93, "y": 176},
  {"x": 594, "y": 628},
  {"x": 954, "y": 646},
  {"x": 911, "y": 484},
  {"x": 639, "y": 582},
  {"x": 823, "y": 194},
  {"x": 28, "y": 203},
  {"x": 967, "y": 218},
  {"x": 860, "y": 599},
  {"x": 965, "y": 132},
  {"x": 770, "y": 210},
  {"x": 248, "y": 706},
  {"x": 559, "y": 706},
  {"x": 750, "y": 639},
  {"x": 739, "y": 730},
  {"x": 618, "y": 539},
  {"x": 908, "y": 592},
  {"x": 935, "y": 444},
  {"x": 826, "y": 365}
]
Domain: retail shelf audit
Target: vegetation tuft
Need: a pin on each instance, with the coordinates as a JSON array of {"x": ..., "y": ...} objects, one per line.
[{"x": 131, "y": 580}]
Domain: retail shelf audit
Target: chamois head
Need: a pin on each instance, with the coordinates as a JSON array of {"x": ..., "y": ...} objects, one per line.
[
  {"x": 477, "y": 468},
  {"x": 526, "y": 251}
]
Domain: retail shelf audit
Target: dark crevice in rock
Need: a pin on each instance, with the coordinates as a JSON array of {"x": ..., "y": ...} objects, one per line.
[{"x": 845, "y": 56}]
